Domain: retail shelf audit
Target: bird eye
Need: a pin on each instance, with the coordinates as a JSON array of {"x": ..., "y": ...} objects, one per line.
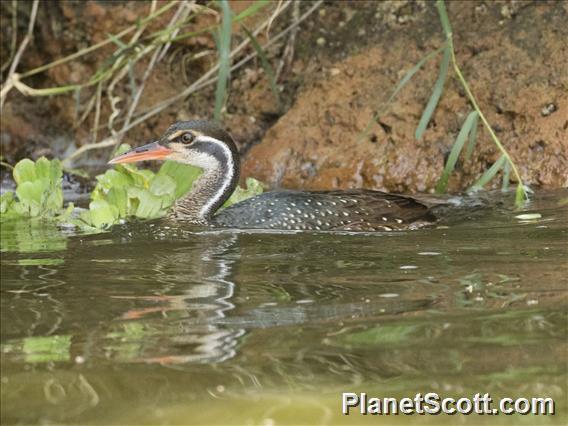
[{"x": 187, "y": 138}]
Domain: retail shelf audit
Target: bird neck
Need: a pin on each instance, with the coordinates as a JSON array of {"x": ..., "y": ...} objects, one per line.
[{"x": 209, "y": 192}]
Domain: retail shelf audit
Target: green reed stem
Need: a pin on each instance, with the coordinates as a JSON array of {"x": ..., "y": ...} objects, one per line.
[{"x": 521, "y": 193}]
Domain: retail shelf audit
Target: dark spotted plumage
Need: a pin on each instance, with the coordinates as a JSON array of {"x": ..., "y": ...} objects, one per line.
[
  {"x": 209, "y": 147},
  {"x": 356, "y": 210}
]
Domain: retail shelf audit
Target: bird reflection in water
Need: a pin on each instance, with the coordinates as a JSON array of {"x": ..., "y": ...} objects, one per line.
[{"x": 185, "y": 331}]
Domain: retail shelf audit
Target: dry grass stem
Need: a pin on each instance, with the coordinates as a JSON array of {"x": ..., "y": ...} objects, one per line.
[
  {"x": 208, "y": 78},
  {"x": 288, "y": 55}
]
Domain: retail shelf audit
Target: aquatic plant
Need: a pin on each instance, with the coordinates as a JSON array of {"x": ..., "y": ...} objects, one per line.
[
  {"x": 122, "y": 192},
  {"x": 39, "y": 190},
  {"x": 138, "y": 42},
  {"x": 127, "y": 191}
]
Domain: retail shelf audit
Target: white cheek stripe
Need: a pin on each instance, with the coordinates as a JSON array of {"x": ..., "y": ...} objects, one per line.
[{"x": 227, "y": 178}]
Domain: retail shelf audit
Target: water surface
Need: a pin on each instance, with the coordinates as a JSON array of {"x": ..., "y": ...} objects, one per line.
[{"x": 153, "y": 324}]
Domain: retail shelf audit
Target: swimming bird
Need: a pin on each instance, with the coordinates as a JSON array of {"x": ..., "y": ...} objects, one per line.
[{"x": 208, "y": 146}]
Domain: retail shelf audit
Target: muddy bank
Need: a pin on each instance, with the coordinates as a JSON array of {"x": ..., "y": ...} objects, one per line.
[
  {"x": 346, "y": 60},
  {"x": 513, "y": 54}
]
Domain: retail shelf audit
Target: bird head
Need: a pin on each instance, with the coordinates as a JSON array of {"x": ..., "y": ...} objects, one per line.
[{"x": 199, "y": 143}]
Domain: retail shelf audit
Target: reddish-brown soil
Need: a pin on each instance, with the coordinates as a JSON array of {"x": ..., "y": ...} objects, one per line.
[
  {"x": 348, "y": 59},
  {"x": 514, "y": 57}
]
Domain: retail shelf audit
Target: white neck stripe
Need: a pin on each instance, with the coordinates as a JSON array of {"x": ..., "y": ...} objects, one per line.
[{"x": 227, "y": 178}]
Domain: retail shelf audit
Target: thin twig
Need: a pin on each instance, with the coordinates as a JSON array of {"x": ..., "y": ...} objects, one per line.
[
  {"x": 273, "y": 17},
  {"x": 288, "y": 55},
  {"x": 116, "y": 136},
  {"x": 182, "y": 12},
  {"x": 97, "y": 112},
  {"x": 87, "y": 111},
  {"x": 124, "y": 70},
  {"x": 9, "y": 79},
  {"x": 105, "y": 143},
  {"x": 207, "y": 79},
  {"x": 8, "y": 166},
  {"x": 110, "y": 39}
]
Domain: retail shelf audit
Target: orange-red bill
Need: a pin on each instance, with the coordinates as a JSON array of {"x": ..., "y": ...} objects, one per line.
[{"x": 151, "y": 151}]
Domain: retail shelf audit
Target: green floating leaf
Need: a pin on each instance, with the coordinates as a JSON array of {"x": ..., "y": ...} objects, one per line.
[
  {"x": 101, "y": 214},
  {"x": 24, "y": 171},
  {"x": 489, "y": 174},
  {"x": 122, "y": 192},
  {"x": 442, "y": 184},
  {"x": 436, "y": 94},
  {"x": 30, "y": 195},
  {"x": 182, "y": 174},
  {"x": 163, "y": 185},
  {"x": 128, "y": 191},
  {"x": 114, "y": 179},
  {"x": 254, "y": 187},
  {"x": 38, "y": 189},
  {"x": 118, "y": 197},
  {"x": 140, "y": 177},
  {"x": 149, "y": 205}
]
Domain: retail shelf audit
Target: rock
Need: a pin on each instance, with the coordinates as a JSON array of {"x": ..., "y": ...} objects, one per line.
[{"x": 324, "y": 126}]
